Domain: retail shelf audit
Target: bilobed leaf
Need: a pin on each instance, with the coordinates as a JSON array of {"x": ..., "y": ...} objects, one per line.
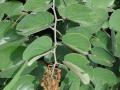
[
  {"x": 11, "y": 8},
  {"x": 78, "y": 41},
  {"x": 37, "y": 5},
  {"x": 101, "y": 56},
  {"x": 34, "y": 23},
  {"x": 78, "y": 64},
  {"x": 37, "y": 47},
  {"x": 104, "y": 4},
  {"x": 114, "y": 20},
  {"x": 103, "y": 76}
]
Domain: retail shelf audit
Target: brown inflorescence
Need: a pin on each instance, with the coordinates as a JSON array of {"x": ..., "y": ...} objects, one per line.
[{"x": 49, "y": 81}]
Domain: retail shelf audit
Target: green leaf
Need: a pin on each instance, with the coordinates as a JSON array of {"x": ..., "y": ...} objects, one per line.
[
  {"x": 86, "y": 87},
  {"x": 10, "y": 71},
  {"x": 11, "y": 8},
  {"x": 103, "y": 76},
  {"x": 101, "y": 56},
  {"x": 78, "y": 41},
  {"x": 78, "y": 64},
  {"x": 37, "y": 47},
  {"x": 113, "y": 42},
  {"x": 37, "y": 5},
  {"x": 75, "y": 85},
  {"x": 17, "y": 76},
  {"x": 114, "y": 20},
  {"x": 117, "y": 45},
  {"x": 86, "y": 31},
  {"x": 69, "y": 81},
  {"x": 61, "y": 51},
  {"x": 101, "y": 86},
  {"x": 4, "y": 26},
  {"x": 7, "y": 33},
  {"x": 84, "y": 15},
  {"x": 64, "y": 3},
  {"x": 65, "y": 25},
  {"x": 1, "y": 1},
  {"x": 34, "y": 23},
  {"x": 12, "y": 54},
  {"x": 104, "y": 4},
  {"x": 26, "y": 82},
  {"x": 105, "y": 25},
  {"x": 102, "y": 39}
]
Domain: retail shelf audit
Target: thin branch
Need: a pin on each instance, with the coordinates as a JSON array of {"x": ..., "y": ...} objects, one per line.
[
  {"x": 17, "y": 20},
  {"x": 56, "y": 31},
  {"x": 55, "y": 24},
  {"x": 34, "y": 59},
  {"x": 55, "y": 36}
]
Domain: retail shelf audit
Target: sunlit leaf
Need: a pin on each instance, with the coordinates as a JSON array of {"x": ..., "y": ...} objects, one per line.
[
  {"x": 78, "y": 41},
  {"x": 114, "y": 20},
  {"x": 101, "y": 56},
  {"x": 37, "y": 47},
  {"x": 36, "y": 5},
  {"x": 30, "y": 25}
]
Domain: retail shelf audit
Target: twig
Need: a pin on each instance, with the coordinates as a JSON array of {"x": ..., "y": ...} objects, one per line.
[
  {"x": 17, "y": 20},
  {"x": 55, "y": 36},
  {"x": 37, "y": 57},
  {"x": 56, "y": 31}
]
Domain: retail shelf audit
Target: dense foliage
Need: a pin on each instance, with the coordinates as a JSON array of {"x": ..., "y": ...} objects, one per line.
[{"x": 59, "y": 44}]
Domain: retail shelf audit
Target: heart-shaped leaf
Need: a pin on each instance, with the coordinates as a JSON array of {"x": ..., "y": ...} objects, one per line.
[
  {"x": 30, "y": 25},
  {"x": 37, "y": 47}
]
